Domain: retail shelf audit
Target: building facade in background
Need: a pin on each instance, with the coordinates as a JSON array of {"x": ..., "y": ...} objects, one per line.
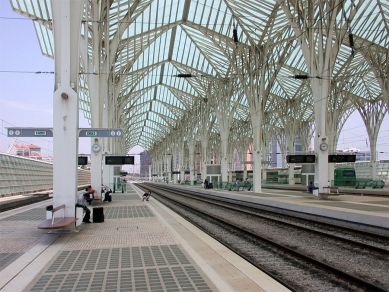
[
  {"x": 29, "y": 151},
  {"x": 145, "y": 163}
]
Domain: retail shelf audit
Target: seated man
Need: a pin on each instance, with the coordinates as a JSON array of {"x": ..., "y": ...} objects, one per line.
[
  {"x": 81, "y": 203},
  {"x": 146, "y": 196},
  {"x": 107, "y": 194},
  {"x": 91, "y": 193},
  {"x": 310, "y": 187}
]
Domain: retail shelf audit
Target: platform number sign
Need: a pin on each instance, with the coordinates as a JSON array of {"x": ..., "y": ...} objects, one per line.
[
  {"x": 91, "y": 134},
  {"x": 29, "y": 132}
]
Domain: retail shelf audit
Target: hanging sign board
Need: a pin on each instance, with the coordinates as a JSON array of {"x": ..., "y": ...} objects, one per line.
[
  {"x": 47, "y": 132},
  {"x": 101, "y": 132},
  {"x": 119, "y": 160},
  {"x": 82, "y": 160},
  {"x": 300, "y": 158},
  {"x": 341, "y": 158},
  {"x": 29, "y": 132}
]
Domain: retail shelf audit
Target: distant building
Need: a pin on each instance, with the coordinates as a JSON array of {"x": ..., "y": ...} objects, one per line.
[
  {"x": 27, "y": 150},
  {"x": 145, "y": 162},
  {"x": 360, "y": 155},
  {"x": 50, "y": 159},
  {"x": 363, "y": 156},
  {"x": 30, "y": 151},
  {"x": 275, "y": 151}
]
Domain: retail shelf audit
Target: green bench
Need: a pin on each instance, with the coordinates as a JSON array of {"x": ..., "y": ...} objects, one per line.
[{"x": 374, "y": 184}]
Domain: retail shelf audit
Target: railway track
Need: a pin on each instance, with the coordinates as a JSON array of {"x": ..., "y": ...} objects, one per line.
[{"x": 301, "y": 254}]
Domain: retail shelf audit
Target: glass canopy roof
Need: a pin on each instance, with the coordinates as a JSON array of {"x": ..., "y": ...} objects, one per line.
[{"x": 157, "y": 40}]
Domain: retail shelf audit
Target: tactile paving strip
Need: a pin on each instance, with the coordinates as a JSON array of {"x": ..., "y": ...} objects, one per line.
[
  {"x": 358, "y": 207},
  {"x": 121, "y": 233},
  {"x": 127, "y": 212},
  {"x": 117, "y": 197},
  {"x": 267, "y": 195},
  {"x": 131, "y": 191},
  {"x": 19, "y": 236},
  {"x": 38, "y": 214},
  {"x": 385, "y": 203},
  {"x": 151, "y": 268},
  {"x": 7, "y": 258}
]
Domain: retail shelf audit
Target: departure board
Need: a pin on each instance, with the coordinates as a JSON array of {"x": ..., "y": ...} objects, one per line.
[
  {"x": 341, "y": 158},
  {"x": 82, "y": 160},
  {"x": 300, "y": 158},
  {"x": 119, "y": 160}
]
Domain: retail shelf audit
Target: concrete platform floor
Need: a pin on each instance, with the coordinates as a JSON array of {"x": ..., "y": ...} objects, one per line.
[{"x": 141, "y": 246}]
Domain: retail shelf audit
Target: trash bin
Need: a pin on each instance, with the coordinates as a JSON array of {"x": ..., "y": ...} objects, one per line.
[
  {"x": 315, "y": 192},
  {"x": 49, "y": 214}
]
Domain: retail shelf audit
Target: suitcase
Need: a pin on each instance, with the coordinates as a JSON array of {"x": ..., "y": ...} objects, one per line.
[{"x": 98, "y": 214}]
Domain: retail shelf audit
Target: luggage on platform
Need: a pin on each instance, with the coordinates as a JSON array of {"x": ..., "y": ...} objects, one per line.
[{"x": 98, "y": 214}]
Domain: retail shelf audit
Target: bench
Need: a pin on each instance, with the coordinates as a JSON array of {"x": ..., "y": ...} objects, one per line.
[
  {"x": 235, "y": 188},
  {"x": 247, "y": 185},
  {"x": 330, "y": 191},
  {"x": 379, "y": 184},
  {"x": 57, "y": 222},
  {"x": 375, "y": 184},
  {"x": 361, "y": 184}
]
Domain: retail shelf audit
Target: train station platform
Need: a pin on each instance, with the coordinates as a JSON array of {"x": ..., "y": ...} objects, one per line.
[
  {"x": 141, "y": 246},
  {"x": 367, "y": 209}
]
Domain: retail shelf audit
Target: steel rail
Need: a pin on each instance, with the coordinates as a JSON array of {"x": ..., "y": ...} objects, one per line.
[
  {"x": 322, "y": 233},
  {"x": 336, "y": 272}
]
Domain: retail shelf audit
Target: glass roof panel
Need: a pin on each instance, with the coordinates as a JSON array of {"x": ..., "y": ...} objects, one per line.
[
  {"x": 33, "y": 8},
  {"x": 46, "y": 39},
  {"x": 369, "y": 24},
  {"x": 194, "y": 45},
  {"x": 161, "y": 39}
]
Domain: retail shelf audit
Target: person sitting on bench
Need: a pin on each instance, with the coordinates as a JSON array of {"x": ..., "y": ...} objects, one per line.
[
  {"x": 107, "y": 193},
  {"x": 310, "y": 187},
  {"x": 81, "y": 203}
]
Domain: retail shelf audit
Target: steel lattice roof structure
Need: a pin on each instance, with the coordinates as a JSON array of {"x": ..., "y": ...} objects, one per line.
[{"x": 164, "y": 59}]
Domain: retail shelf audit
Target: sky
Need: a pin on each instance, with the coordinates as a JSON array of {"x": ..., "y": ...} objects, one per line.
[{"x": 26, "y": 97}]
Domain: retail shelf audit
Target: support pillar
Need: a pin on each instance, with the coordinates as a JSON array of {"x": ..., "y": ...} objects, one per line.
[
  {"x": 257, "y": 171},
  {"x": 66, "y": 26}
]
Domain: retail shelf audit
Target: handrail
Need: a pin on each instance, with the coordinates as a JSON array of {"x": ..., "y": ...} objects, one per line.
[{"x": 63, "y": 206}]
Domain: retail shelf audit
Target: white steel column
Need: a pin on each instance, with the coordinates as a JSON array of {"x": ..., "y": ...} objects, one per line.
[
  {"x": 175, "y": 166},
  {"x": 182, "y": 168},
  {"x": 168, "y": 167},
  {"x": 191, "y": 146},
  {"x": 66, "y": 25},
  {"x": 107, "y": 150},
  {"x": 204, "y": 161},
  {"x": 96, "y": 158}
]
